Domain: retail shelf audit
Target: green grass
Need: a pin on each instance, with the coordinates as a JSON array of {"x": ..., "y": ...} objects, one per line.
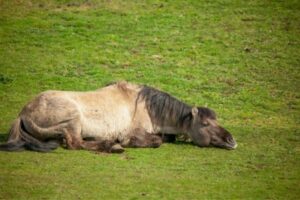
[{"x": 240, "y": 58}]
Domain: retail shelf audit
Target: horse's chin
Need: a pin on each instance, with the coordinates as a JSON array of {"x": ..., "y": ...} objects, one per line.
[
  {"x": 228, "y": 146},
  {"x": 231, "y": 146}
]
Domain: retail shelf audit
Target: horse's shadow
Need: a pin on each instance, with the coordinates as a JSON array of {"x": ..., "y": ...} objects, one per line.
[
  {"x": 3, "y": 137},
  {"x": 183, "y": 143}
]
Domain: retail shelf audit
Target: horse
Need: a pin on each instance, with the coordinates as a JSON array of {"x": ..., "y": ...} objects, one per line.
[{"x": 112, "y": 118}]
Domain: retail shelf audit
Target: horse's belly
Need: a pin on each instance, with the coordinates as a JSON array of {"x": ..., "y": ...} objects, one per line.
[{"x": 107, "y": 126}]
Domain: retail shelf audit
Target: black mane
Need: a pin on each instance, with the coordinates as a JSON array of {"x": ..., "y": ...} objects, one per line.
[
  {"x": 204, "y": 112},
  {"x": 163, "y": 108}
]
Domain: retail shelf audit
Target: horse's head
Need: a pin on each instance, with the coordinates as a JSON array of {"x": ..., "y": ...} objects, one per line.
[{"x": 205, "y": 131}]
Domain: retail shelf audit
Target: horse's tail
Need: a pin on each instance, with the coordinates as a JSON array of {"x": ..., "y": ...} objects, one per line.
[{"x": 19, "y": 139}]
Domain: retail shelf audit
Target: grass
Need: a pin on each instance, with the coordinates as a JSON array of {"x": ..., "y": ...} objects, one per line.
[{"x": 240, "y": 58}]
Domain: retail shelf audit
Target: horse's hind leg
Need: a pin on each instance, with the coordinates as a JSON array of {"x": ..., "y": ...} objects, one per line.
[
  {"x": 74, "y": 140},
  {"x": 141, "y": 138},
  {"x": 103, "y": 146}
]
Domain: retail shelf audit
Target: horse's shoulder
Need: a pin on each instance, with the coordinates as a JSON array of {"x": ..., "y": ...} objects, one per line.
[{"x": 125, "y": 88}]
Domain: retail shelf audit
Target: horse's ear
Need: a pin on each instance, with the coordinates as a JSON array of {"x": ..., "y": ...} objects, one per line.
[{"x": 194, "y": 111}]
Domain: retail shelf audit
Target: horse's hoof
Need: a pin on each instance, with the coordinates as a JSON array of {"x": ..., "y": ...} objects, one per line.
[{"x": 117, "y": 148}]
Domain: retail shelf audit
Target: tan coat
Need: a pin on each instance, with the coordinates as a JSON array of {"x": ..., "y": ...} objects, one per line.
[{"x": 123, "y": 113}]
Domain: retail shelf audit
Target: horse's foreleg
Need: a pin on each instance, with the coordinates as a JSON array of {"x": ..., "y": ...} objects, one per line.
[{"x": 142, "y": 139}]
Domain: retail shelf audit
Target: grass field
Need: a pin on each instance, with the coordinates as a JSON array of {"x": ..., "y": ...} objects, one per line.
[{"x": 240, "y": 58}]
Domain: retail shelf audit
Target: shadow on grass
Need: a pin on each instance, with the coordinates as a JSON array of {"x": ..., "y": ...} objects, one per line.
[
  {"x": 3, "y": 137},
  {"x": 182, "y": 143}
]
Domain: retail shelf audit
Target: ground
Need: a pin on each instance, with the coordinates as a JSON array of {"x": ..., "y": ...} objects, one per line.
[{"x": 240, "y": 58}]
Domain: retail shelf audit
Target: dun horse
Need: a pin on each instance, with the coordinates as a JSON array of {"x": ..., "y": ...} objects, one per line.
[{"x": 111, "y": 118}]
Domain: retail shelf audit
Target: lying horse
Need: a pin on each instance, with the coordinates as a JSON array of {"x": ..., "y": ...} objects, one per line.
[{"x": 111, "y": 118}]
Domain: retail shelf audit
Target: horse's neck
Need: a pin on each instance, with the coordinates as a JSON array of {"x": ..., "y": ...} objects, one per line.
[
  {"x": 169, "y": 130},
  {"x": 170, "y": 127}
]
